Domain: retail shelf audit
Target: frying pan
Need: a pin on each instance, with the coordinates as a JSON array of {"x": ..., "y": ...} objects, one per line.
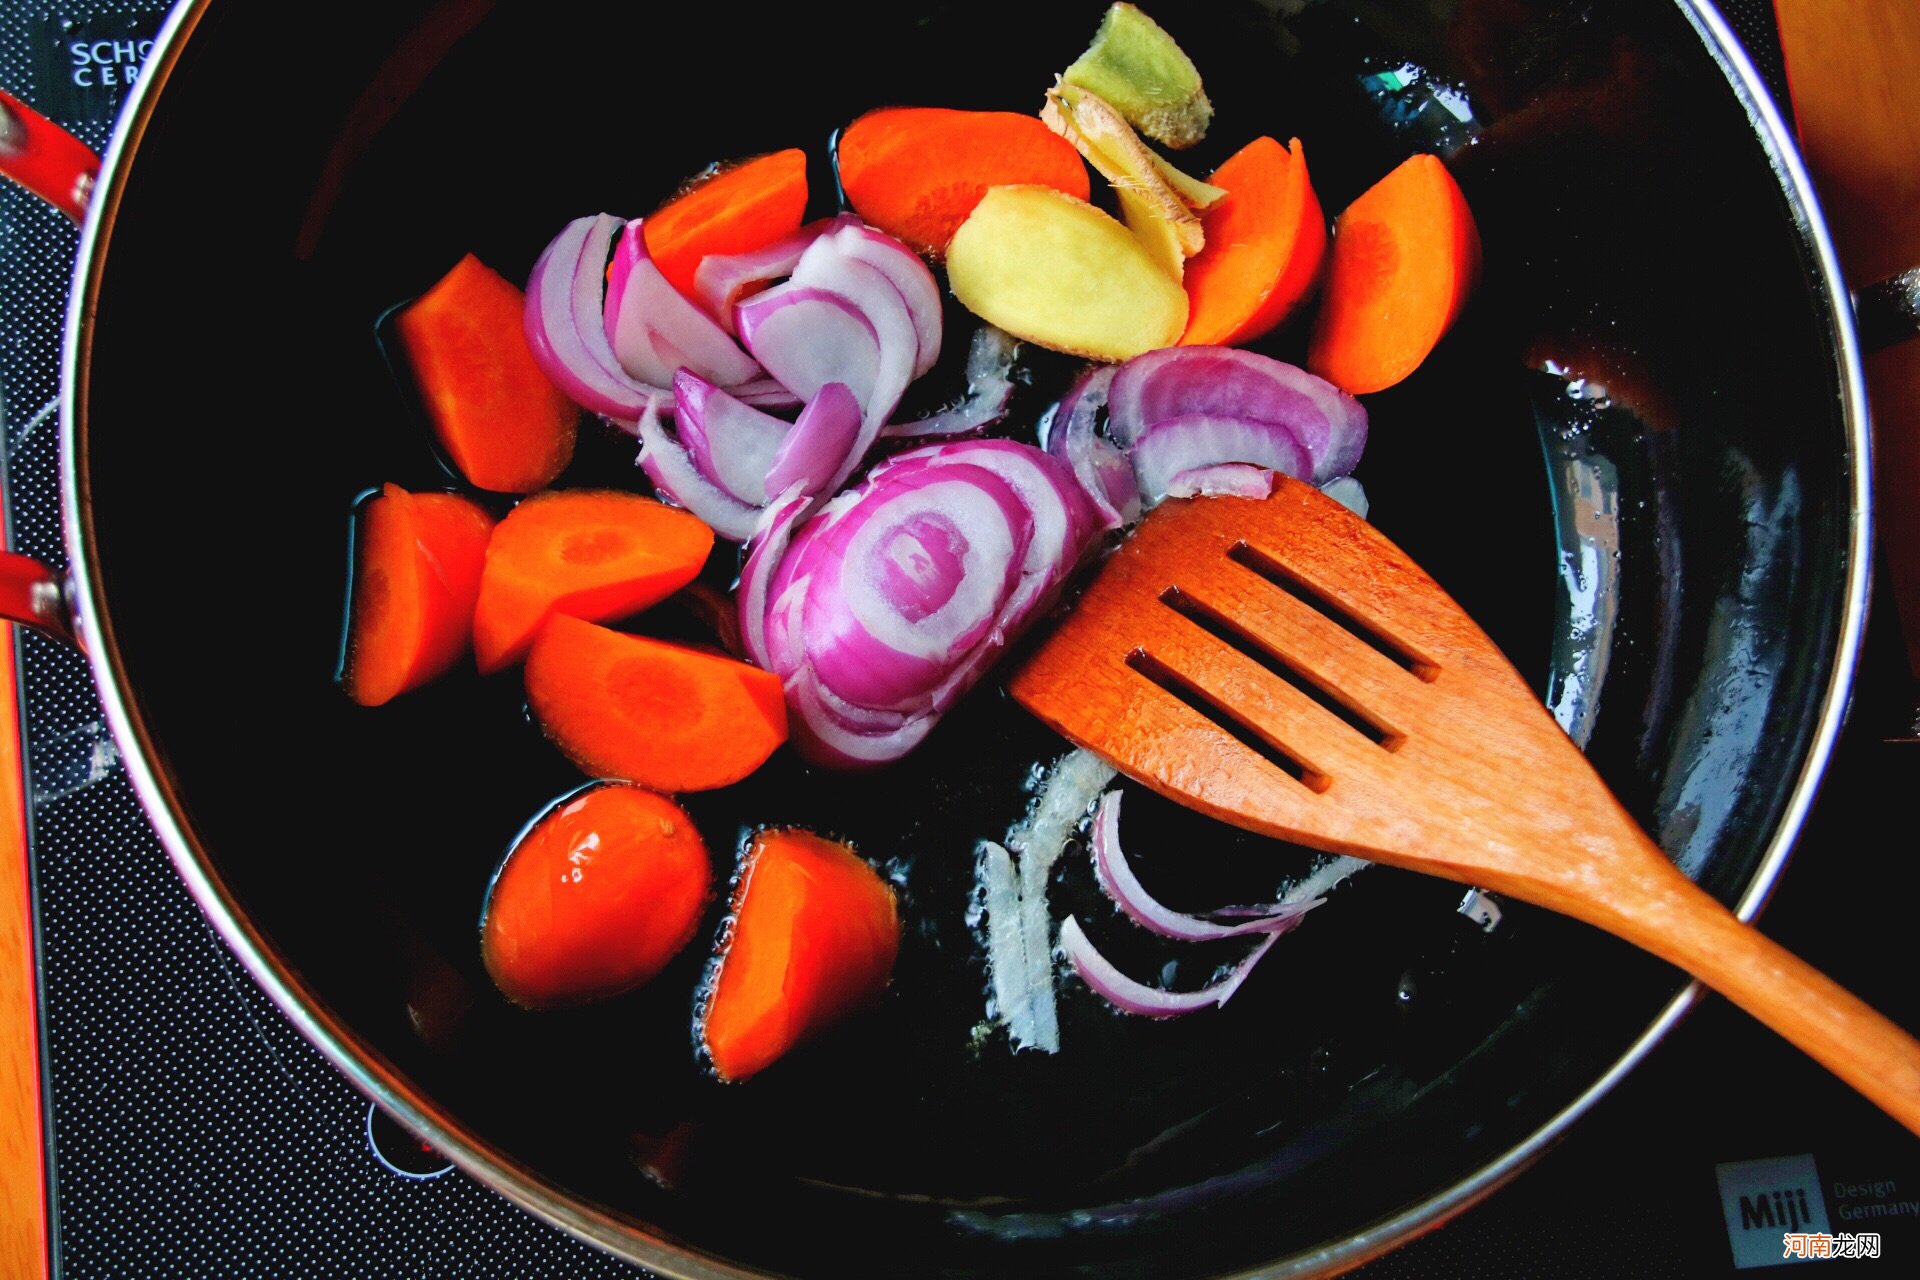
[{"x": 1640, "y": 461}]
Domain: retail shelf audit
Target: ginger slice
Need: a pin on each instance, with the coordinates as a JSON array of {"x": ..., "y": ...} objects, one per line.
[
  {"x": 1137, "y": 66},
  {"x": 1059, "y": 273},
  {"x": 1136, "y": 173}
]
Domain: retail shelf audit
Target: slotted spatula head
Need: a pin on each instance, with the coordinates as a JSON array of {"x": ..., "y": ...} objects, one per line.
[{"x": 1280, "y": 665}]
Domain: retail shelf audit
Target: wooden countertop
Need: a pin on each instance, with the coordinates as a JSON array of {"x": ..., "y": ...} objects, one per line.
[
  {"x": 1854, "y": 72},
  {"x": 23, "y": 1182}
]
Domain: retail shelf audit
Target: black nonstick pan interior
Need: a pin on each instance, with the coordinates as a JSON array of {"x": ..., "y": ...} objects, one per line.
[{"x": 1629, "y": 462}]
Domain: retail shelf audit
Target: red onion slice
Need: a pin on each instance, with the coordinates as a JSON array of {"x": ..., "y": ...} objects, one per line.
[
  {"x": 827, "y": 730},
  {"x": 1102, "y": 469},
  {"x": 733, "y": 444},
  {"x": 766, "y": 547},
  {"x": 989, "y": 390},
  {"x": 870, "y": 721},
  {"x": 1105, "y": 472},
  {"x": 1116, "y": 876},
  {"x": 1224, "y": 479},
  {"x": 1020, "y": 939},
  {"x": 1347, "y": 492},
  {"x": 778, "y": 631},
  {"x": 564, "y": 327},
  {"x": 1064, "y": 526},
  {"x": 892, "y": 601},
  {"x": 1087, "y": 396},
  {"x": 1221, "y": 381},
  {"x": 1202, "y": 440},
  {"x": 1129, "y": 996},
  {"x": 1064, "y": 520},
  {"x": 919, "y": 575},
  {"x": 680, "y": 482},
  {"x": 654, "y": 331},
  {"x": 1225, "y": 382},
  {"x": 1020, "y": 994},
  {"x": 826, "y": 266},
  {"x": 764, "y": 393},
  {"x": 823, "y": 738},
  {"x": 918, "y": 289},
  {"x": 817, "y": 447},
  {"x": 722, "y": 279},
  {"x": 808, "y": 337}
]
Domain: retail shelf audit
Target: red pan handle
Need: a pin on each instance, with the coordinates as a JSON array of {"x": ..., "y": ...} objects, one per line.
[
  {"x": 44, "y": 158},
  {"x": 60, "y": 169},
  {"x": 33, "y": 595}
]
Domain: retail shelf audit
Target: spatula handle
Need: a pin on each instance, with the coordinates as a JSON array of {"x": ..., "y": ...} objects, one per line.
[{"x": 1684, "y": 924}]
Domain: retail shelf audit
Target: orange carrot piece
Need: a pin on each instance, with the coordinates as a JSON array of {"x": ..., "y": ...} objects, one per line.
[
  {"x": 737, "y": 210},
  {"x": 414, "y": 584},
  {"x": 815, "y": 934},
  {"x": 1265, "y": 244},
  {"x": 504, "y": 425},
  {"x": 917, "y": 172},
  {"x": 1405, "y": 256},
  {"x": 662, "y": 715},
  {"x": 585, "y": 553},
  {"x": 595, "y": 898}
]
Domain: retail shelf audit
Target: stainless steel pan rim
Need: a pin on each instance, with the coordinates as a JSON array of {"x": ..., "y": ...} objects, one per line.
[{"x": 379, "y": 1081}]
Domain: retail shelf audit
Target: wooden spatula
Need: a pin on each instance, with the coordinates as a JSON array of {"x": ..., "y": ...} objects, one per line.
[{"x": 1281, "y": 666}]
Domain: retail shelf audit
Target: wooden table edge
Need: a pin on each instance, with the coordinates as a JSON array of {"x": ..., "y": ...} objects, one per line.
[{"x": 24, "y": 1226}]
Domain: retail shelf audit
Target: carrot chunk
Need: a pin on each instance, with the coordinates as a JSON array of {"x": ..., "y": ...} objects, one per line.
[
  {"x": 662, "y": 715},
  {"x": 815, "y": 934},
  {"x": 917, "y": 172},
  {"x": 414, "y": 584},
  {"x": 585, "y": 553},
  {"x": 1405, "y": 255},
  {"x": 595, "y": 898},
  {"x": 1265, "y": 243},
  {"x": 495, "y": 414},
  {"x": 737, "y": 210}
]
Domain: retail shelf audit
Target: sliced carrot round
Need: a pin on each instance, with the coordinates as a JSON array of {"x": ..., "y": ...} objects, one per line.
[
  {"x": 662, "y": 715},
  {"x": 595, "y": 898},
  {"x": 1265, "y": 243},
  {"x": 917, "y": 172},
  {"x": 1405, "y": 255},
  {"x": 416, "y": 576},
  {"x": 739, "y": 209},
  {"x": 385, "y": 627},
  {"x": 453, "y": 533},
  {"x": 501, "y": 422},
  {"x": 592, "y": 554},
  {"x": 815, "y": 935}
]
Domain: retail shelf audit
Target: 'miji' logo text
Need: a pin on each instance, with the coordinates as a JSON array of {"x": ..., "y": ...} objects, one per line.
[{"x": 1786, "y": 1210}]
